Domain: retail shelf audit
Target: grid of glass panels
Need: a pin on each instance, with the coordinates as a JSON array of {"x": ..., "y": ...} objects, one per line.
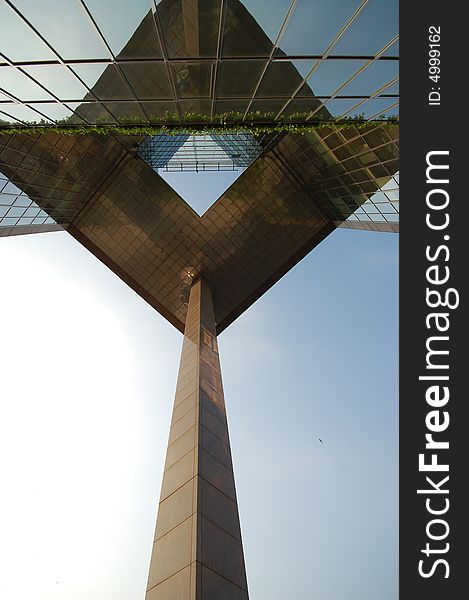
[
  {"x": 145, "y": 59},
  {"x": 215, "y": 152},
  {"x": 47, "y": 179},
  {"x": 17, "y": 209},
  {"x": 158, "y": 150},
  {"x": 382, "y": 206},
  {"x": 341, "y": 169},
  {"x": 140, "y": 59}
]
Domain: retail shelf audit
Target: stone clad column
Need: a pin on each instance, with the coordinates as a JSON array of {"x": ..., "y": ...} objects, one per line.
[{"x": 197, "y": 550}]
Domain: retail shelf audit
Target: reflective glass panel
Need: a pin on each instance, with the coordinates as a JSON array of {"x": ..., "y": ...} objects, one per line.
[
  {"x": 339, "y": 107},
  {"x": 126, "y": 112},
  {"x": 374, "y": 108},
  {"x": 19, "y": 85},
  {"x": 304, "y": 105},
  {"x": 304, "y": 66},
  {"x": 59, "y": 80},
  {"x": 392, "y": 50},
  {"x": 6, "y": 118},
  {"x": 281, "y": 79},
  {"x": 252, "y": 26},
  {"x": 148, "y": 81},
  {"x": 19, "y": 42},
  {"x": 372, "y": 78},
  {"x": 374, "y": 28},
  {"x": 192, "y": 79},
  {"x": 66, "y": 26},
  {"x": 239, "y": 77},
  {"x": 16, "y": 208},
  {"x": 270, "y": 16},
  {"x": 21, "y": 112},
  {"x": 105, "y": 81},
  {"x": 314, "y": 25},
  {"x": 93, "y": 112},
  {"x": 155, "y": 110},
  {"x": 128, "y": 27},
  {"x": 190, "y": 28},
  {"x": 52, "y": 110},
  {"x": 227, "y": 106},
  {"x": 331, "y": 74}
]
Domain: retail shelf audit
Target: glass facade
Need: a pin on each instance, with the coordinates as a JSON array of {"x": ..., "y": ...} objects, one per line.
[
  {"x": 211, "y": 152},
  {"x": 382, "y": 206},
  {"x": 161, "y": 62},
  {"x": 17, "y": 209},
  {"x": 135, "y": 65}
]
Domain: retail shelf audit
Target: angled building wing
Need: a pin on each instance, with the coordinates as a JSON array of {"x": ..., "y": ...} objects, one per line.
[{"x": 191, "y": 61}]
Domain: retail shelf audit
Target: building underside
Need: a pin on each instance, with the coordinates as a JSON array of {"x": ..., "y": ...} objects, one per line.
[{"x": 202, "y": 58}]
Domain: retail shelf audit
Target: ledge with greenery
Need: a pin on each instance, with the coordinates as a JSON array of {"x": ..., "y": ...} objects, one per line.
[{"x": 198, "y": 124}]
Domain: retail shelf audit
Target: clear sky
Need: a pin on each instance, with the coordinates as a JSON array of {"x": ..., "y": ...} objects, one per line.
[{"x": 88, "y": 379}]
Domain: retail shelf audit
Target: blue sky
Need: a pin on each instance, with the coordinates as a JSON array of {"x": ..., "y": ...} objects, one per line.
[{"x": 89, "y": 372}]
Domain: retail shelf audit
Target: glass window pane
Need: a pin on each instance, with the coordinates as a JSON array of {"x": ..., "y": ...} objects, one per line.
[
  {"x": 126, "y": 112},
  {"x": 314, "y": 25},
  {"x": 15, "y": 211},
  {"x": 19, "y": 85},
  {"x": 331, "y": 74},
  {"x": 149, "y": 81},
  {"x": 53, "y": 110},
  {"x": 239, "y": 77},
  {"x": 59, "y": 80},
  {"x": 268, "y": 106},
  {"x": 5, "y": 118},
  {"x": 93, "y": 112},
  {"x": 105, "y": 81},
  {"x": 281, "y": 79},
  {"x": 19, "y": 42},
  {"x": 372, "y": 78},
  {"x": 155, "y": 110},
  {"x": 192, "y": 79},
  {"x": 8, "y": 221},
  {"x": 392, "y": 90},
  {"x": 22, "y": 201},
  {"x": 66, "y": 27},
  {"x": 338, "y": 107},
  {"x": 392, "y": 50},
  {"x": 21, "y": 113},
  {"x": 128, "y": 27},
  {"x": 304, "y": 66},
  {"x": 251, "y": 31},
  {"x": 25, "y": 221},
  {"x": 190, "y": 29},
  {"x": 89, "y": 73},
  {"x": 375, "y": 106},
  {"x": 11, "y": 188},
  {"x": 195, "y": 106},
  {"x": 32, "y": 212},
  {"x": 379, "y": 218},
  {"x": 376, "y": 25},
  {"x": 306, "y": 105},
  {"x": 230, "y": 106},
  {"x": 6, "y": 200},
  {"x": 387, "y": 208}
]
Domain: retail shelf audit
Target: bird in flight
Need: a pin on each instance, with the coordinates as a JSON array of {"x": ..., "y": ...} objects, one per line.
[{"x": 320, "y": 440}]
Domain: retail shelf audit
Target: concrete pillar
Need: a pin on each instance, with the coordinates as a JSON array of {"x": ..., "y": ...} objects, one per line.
[{"x": 197, "y": 550}]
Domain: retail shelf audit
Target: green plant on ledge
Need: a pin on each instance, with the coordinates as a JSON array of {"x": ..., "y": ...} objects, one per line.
[{"x": 199, "y": 124}]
